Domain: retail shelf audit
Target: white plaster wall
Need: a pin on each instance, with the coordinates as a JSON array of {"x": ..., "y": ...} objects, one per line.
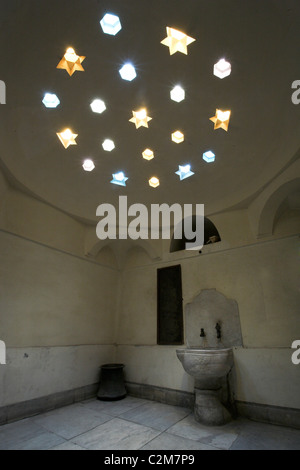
[
  {"x": 35, "y": 220},
  {"x": 267, "y": 376},
  {"x": 37, "y": 372},
  {"x": 264, "y": 280},
  {"x": 51, "y": 298},
  {"x": 3, "y": 186},
  {"x": 57, "y": 318},
  {"x": 264, "y": 376},
  {"x": 154, "y": 365}
]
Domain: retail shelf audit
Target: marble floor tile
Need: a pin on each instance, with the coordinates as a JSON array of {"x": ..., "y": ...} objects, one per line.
[
  {"x": 71, "y": 421},
  {"x": 133, "y": 424},
  {"x": 67, "y": 446},
  {"x": 116, "y": 434},
  {"x": 166, "y": 441},
  {"x": 43, "y": 441},
  {"x": 15, "y": 434},
  {"x": 115, "y": 408},
  {"x": 156, "y": 415},
  {"x": 221, "y": 437},
  {"x": 263, "y": 436}
]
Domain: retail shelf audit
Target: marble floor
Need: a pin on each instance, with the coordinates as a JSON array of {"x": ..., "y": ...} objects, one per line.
[{"x": 138, "y": 424}]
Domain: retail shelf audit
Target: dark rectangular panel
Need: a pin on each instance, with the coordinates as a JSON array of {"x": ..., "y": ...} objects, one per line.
[{"x": 169, "y": 306}]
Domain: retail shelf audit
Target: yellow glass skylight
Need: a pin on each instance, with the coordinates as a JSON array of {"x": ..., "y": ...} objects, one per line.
[
  {"x": 177, "y": 41},
  {"x": 67, "y": 137},
  {"x": 140, "y": 118},
  {"x": 177, "y": 137},
  {"x": 71, "y": 62},
  {"x": 154, "y": 182},
  {"x": 221, "y": 119},
  {"x": 148, "y": 154}
]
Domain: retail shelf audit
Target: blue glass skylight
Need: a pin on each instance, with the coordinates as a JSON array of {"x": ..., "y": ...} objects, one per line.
[
  {"x": 119, "y": 178},
  {"x": 110, "y": 24},
  {"x": 209, "y": 156},
  {"x": 50, "y": 100},
  {"x": 184, "y": 172}
]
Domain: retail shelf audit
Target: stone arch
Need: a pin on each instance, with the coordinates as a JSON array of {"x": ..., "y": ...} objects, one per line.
[
  {"x": 268, "y": 213},
  {"x": 211, "y": 235},
  {"x": 120, "y": 248}
]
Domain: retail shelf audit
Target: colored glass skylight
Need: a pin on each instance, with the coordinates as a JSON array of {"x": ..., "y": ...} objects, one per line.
[
  {"x": 184, "y": 172},
  {"x": 209, "y": 156},
  {"x": 221, "y": 119},
  {"x": 110, "y": 24},
  {"x": 177, "y": 137},
  {"x": 140, "y": 118},
  {"x": 154, "y": 182},
  {"x": 148, "y": 154},
  {"x": 71, "y": 62},
  {"x": 50, "y": 100},
  {"x": 119, "y": 179},
  {"x": 177, "y": 41},
  {"x": 67, "y": 137}
]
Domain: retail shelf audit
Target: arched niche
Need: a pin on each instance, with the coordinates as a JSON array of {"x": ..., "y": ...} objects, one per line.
[
  {"x": 272, "y": 208},
  {"x": 211, "y": 235}
]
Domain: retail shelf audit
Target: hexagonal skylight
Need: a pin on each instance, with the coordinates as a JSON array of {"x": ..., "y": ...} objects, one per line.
[
  {"x": 98, "y": 106},
  {"x": 128, "y": 72},
  {"x": 177, "y": 137},
  {"x": 154, "y": 182},
  {"x": 177, "y": 94},
  {"x": 108, "y": 145},
  {"x": 209, "y": 156},
  {"x": 50, "y": 100},
  {"x": 88, "y": 165},
  {"x": 222, "y": 69},
  {"x": 110, "y": 24}
]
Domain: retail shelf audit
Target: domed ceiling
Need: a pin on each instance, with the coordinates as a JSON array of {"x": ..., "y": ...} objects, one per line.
[{"x": 260, "y": 39}]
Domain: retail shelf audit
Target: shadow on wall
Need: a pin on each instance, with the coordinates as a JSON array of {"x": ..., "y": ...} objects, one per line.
[{"x": 211, "y": 235}]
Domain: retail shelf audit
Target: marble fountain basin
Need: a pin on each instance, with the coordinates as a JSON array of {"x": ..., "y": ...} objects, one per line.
[
  {"x": 209, "y": 367},
  {"x": 207, "y": 363}
]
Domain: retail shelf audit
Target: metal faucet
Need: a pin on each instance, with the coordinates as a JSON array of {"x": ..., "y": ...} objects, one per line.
[{"x": 218, "y": 328}]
